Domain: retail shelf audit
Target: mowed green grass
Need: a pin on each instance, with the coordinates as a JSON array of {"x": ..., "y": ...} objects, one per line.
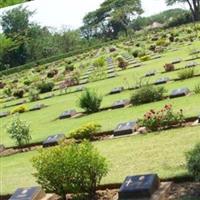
[
  {"x": 43, "y": 122},
  {"x": 161, "y": 152}
]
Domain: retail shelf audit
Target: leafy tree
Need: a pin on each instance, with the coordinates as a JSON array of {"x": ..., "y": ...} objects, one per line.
[
  {"x": 194, "y": 6},
  {"x": 75, "y": 168},
  {"x": 4, "y": 3}
]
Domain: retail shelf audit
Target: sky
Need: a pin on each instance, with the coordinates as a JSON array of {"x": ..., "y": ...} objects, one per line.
[{"x": 69, "y": 13}]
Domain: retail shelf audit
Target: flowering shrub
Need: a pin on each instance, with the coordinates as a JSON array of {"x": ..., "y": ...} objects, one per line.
[
  {"x": 165, "y": 118},
  {"x": 87, "y": 131}
]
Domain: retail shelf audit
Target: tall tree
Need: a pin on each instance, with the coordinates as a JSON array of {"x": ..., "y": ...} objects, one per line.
[
  {"x": 5, "y": 3},
  {"x": 194, "y": 6}
]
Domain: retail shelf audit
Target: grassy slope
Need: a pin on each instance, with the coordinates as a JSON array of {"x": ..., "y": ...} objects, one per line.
[{"x": 162, "y": 153}]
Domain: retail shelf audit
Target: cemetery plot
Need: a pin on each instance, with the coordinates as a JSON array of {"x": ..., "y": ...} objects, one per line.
[
  {"x": 120, "y": 104},
  {"x": 49, "y": 96},
  {"x": 16, "y": 104},
  {"x": 53, "y": 140},
  {"x": 139, "y": 187},
  {"x": 191, "y": 64},
  {"x": 179, "y": 92},
  {"x": 68, "y": 114},
  {"x": 162, "y": 80},
  {"x": 125, "y": 128},
  {"x": 116, "y": 90},
  {"x": 176, "y": 61},
  {"x": 32, "y": 193},
  {"x": 80, "y": 88}
]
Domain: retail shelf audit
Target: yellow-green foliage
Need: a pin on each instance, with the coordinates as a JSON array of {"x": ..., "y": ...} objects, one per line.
[
  {"x": 145, "y": 58},
  {"x": 162, "y": 42},
  {"x": 19, "y": 109},
  {"x": 86, "y": 131}
]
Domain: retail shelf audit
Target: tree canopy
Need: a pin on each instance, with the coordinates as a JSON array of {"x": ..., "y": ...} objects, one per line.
[{"x": 5, "y": 3}]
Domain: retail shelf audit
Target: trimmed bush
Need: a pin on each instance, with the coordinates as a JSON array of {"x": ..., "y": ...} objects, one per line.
[
  {"x": 44, "y": 87},
  {"x": 86, "y": 131},
  {"x": 90, "y": 101},
  {"x": 164, "y": 118},
  {"x": 19, "y": 109},
  {"x": 52, "y": 73},
  {"x": 197, "y": 89},
  {"x": 169, "y": 67},
  {"x": 33, "y": 95},
  {"x": 19, "y": 93},
  {"x": 122, "y": 63},
  {"x": 145, "y": 58},
  {"x": 147, "y": 94},
  {"x": 19, "y": 131},
  {"x": 193, "y": 162},
  {"x": 75, "y": 168}
]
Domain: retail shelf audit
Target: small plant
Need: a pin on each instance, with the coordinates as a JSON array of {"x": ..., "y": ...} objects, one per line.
[
  {"x": 19, "y": 93},
  {"x": 164, "y": 118},
  {"x": 90, "y": 101},
  {"x": 69, "y": 68},
  {"x": 193, "y": 162},
  {"x": 86, "y": 131},
  {"x": 169, "y": 67},
  {"x": 19, "y": 109},
  {"x": 75, "y": 168},
  {"x": 145, "y": 58},
  {"x": 147, "y": 93},
  {"x": 44, "y": 87},
  {"x": 19, "y": 131},
  {"x": 33, "y": 95},
  {"x": 122, "y": 63},
  {"x": 7, "y": 91},
  {"x": 99, "y": 62},
  {"x": 52, "y": 73},
  {"x": 186, "y": 73},
  {"x": 197, "y": 89}
]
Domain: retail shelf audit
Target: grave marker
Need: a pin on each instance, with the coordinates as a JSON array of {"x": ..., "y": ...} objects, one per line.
[
  {"x": 150, "y": 73},
  {"x": 4, "y": 114},
  {"x": 162, "y": 80},
  {"x": 191, "y": 64},
  {"x": 37, "y": 107},
  {"x": 68, "y": 114},
  {"x": 32, "y": 193},
  {"x": 53, "y": 140},
  {"x": 2, "y": 148},
  {"x": 176, "y": 61},
  {"x": 116, "y": 90},
  {"x": 125, "y": 128},
  {"x": 139, "y": 187},
  {"x": 120, "y": 103},
  {"x": 179, "y": 92}
]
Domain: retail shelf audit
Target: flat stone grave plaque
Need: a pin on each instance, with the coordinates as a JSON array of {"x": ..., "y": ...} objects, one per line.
[
  {"x": 120, "y": 103},
  {"x": 179, "y": 92},
  {"x": 161, "y": 80},
  {"x": 110, "y": 71},
  {"x": 191, "y": 64},
  {"x": 4, "y": 114},
  {"x": 80, "y": 88},
  {"x": 138, "y": 187},
  {"x": 125, "y": 128},
  {"x": 199, "y": 118},
  {"x": 116, "y": 90},
  {"x": 49, "y": 96},
  {"x": 53, "y": 140},
  {"x": 67, "y": 114},
  {"x": 84, "y": 77},
  {"x": 2, "y": 148},
  {"x": 156, "y": 57},
  {"x": 32, "y": 193},
  {"x": 112, "y": 75},
  {"x": 176, "y": 61},
  {"x": 37, "y": 107},
  {"x": 150, "y": 73}
]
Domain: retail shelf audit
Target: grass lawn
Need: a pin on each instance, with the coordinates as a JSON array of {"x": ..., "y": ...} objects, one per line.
[{"x": 162, "y": 153}]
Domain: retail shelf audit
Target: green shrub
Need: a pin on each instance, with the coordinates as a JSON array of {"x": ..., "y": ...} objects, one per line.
[
  {"x": 44, "y": 87},
  {"x": 19, "y": 93},
  {"x": 122, "y": 63},
  {"x": 146, "y": 94},
  {"x": 86, "y": 131},
  {"x": 169, "y": 67},
  {"x": 197, "y": 89},
  {"x": 27, "y": 82},
  {"x": 19, "y": 131},
  {"x": 161, "y": 42},
  {"x": 145, "y": 58},
  {"x": 186, "y": 73},
  {"x": 99, "y": 62},
  {"x": 75, "y": 168},
  {"x": 164, "y": 118},
  {"x": 52, "y": 73},
  {"x": 19, "y": 109},
  {"x": 90, "y": 101},
  {"x": 193, "y": 162},
  {"x": 33, "y": 95},
  {"x": 7, "y": 91}
]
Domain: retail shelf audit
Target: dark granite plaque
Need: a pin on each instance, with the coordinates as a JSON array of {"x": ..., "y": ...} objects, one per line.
[
  {"x": 116, "y": 90},
  {"x": 150, "y": 73},
  {"x": 4, "y": 114},
  {"x": 125, "y": 128},
  {"x": 53, "y": 140},
  {"x": 37, "y": 107},
  {"x": 179, "y": 92},
  {"x": 161, "y": 80},
  {"x": 32, "y": 193},
  {"x": 120, "y": 103},
  {"x": 142, "y": 186},
  {"x": 67, "y": 114}
]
